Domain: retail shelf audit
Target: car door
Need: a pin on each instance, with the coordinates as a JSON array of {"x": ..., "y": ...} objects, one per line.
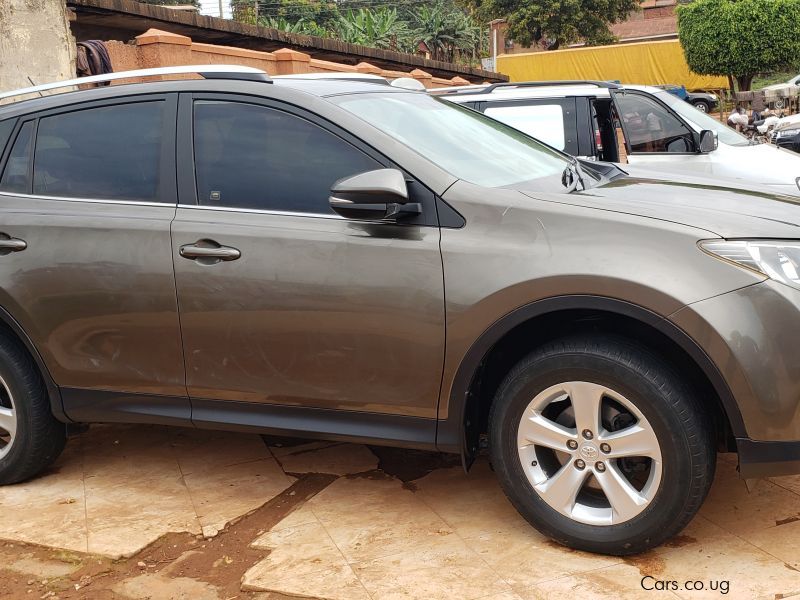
[
  {"x": 554, "y": 121},
  {"x": 655, "y": 136},
  {"x": 282, "y": 301},
  {"x": 88, "y": 192}
]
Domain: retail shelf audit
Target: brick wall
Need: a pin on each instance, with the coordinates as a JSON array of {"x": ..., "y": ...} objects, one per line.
[{"x": 156, "y": 48}]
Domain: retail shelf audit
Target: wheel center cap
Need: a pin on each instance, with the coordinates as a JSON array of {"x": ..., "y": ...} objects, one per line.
[{"x": 589, "y": 452}]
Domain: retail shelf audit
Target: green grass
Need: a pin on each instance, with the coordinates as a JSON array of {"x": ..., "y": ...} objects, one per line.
[{"x": 760, "y": 81}]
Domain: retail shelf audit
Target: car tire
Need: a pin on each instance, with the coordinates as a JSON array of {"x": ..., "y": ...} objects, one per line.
[
  {"x": 30, "y": 437},
  {"x": 623, "y": 391},
  {"x": 702, "y": 106}
]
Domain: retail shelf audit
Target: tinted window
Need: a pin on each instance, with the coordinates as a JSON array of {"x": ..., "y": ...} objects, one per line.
[
  {"x": 249, "y": 156},
  {"x": 15, "y": 175},
  {"x": 5, "y": 131},
  {"x": 650, "y": 127},
  {"x": 545, "y": 122},
  {"x": 109, "y": 152}
]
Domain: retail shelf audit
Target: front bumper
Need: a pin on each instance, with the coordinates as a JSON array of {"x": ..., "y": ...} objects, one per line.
[{"x": 752, "y": 335}]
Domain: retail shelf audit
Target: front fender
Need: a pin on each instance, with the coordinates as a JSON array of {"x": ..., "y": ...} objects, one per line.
[
  {"x": 519, "y": 257},
  {"x": 451, "y": 430}
]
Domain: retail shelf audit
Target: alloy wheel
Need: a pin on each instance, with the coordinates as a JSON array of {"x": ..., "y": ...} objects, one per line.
[
  {"x": 8, "y": 419},
  {"x": 589, "y": 453}
]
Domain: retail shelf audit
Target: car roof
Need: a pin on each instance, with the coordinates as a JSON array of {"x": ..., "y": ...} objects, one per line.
[{"x": 320, "y": 87}]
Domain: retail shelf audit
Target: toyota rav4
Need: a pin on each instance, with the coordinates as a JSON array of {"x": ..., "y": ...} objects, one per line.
[{"x": 355, "y": 261}]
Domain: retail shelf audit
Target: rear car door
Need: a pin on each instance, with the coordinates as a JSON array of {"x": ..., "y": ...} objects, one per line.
[
  {"x": 282, "y": 301},
  {"x": 88, "y": 192},
  {"x": 554, "y": 121}
]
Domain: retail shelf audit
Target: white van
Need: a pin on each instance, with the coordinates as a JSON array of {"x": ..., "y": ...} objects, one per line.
[{"x": 639, "y": 125}]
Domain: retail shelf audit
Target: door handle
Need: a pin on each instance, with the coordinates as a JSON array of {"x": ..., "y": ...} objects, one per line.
[
  {"x": 210, "y": 251},
  {"x": 9, "y": 244}
]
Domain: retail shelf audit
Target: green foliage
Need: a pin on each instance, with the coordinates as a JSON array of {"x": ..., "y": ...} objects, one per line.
[
  {"x": 760, "y": 81},
  {"x": 449, "y": 32},
  {"x": 556, "y": 23},
  {"x": 301, "y": 26},
  {"x": 378, "y": 28},
  {"x": 312, "y": 17},
  {"x": 740, "y": 38}
]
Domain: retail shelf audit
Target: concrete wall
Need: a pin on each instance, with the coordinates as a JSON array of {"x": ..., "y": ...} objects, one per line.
[{"x": 35, "y": 43}]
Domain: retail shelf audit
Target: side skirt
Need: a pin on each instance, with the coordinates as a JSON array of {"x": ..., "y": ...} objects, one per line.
[
  {"x": 316, "y": 423},
  {"x": 92, "y": 406}
]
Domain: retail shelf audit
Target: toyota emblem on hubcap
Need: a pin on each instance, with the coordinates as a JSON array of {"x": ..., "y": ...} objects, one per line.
[{"x": 589, "y": 452}]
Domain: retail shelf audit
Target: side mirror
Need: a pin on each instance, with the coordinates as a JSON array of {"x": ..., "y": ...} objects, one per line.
[
  {"x": 708, "y": 141},
  {"x": 373, "y": 196}
]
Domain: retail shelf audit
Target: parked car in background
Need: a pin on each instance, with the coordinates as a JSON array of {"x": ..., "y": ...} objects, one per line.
[
  {"x": 639, "y": 125},
  {"x": 793, "y": 82},
  {"x": 788, "y": 137},
  {"x": 702, "y": 101},
  {"x": 355, "y": 261},
  {"x": 786, "y": 133}
]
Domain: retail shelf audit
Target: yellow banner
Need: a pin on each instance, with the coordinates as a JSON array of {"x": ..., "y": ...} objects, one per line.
[{"x": 644, "y": 63}]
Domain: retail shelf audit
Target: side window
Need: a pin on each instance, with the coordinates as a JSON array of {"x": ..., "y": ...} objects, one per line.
[
  {"x": 6, "y": 127},
  {"x": 108, "y": 153},
  {"x": 250, "y": 156},
  {"x": 650, "y": 127},
  {"x": 15, "y": 176},
  {"x": 545, "y": 122}
]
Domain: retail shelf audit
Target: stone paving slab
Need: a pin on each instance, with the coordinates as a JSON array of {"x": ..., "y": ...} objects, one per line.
[{"x": 271, "y": 519}]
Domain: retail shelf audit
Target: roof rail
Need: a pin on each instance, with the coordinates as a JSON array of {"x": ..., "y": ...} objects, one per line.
[
  {"x": 523, "y": 84},
  {"x": 338, "y": 76},
  {"x": 206, "y": 71}
]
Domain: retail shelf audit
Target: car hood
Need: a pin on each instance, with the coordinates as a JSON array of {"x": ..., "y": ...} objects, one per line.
[
  {"x": 760, "y": 163},
  {"x": 789, "y": 122},
  {"x": 722, "y": 207}
]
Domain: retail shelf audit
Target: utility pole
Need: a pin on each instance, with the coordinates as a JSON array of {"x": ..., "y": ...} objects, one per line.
[{"x": 221, "y": 13}]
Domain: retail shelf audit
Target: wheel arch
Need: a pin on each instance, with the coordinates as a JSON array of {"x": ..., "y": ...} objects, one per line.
[
  {"x": 9, "y": 326},
  {"x": 474, "y": 380}
]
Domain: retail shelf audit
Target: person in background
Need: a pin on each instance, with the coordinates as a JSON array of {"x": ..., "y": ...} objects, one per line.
[{"x": 738, "y": 118}]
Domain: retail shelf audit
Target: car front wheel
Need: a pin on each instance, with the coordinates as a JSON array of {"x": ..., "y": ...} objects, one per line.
[
  {"x": 702, "y": 106},
  {"x": 600, "y": 445}
]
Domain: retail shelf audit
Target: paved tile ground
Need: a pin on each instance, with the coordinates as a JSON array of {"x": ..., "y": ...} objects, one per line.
[{"x": 150, "y": 512}]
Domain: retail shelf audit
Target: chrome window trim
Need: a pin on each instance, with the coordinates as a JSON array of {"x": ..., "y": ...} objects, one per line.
[
  {"x": 90, "y": 200},
  {"x": 280, "y": 213}
]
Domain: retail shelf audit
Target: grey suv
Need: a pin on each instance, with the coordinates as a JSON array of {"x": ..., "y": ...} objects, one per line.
[{"x": 353, "y": 261}]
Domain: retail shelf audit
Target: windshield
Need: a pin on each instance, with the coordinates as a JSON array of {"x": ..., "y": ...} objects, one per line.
[
  {"x": 702, "y": 121},
  {"x": 463, "y": 142}
]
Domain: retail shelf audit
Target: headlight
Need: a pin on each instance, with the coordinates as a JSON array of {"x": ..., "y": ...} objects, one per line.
[
  {"x": 779, "y": 260},
  {"x": 713, "y": 97},
  {"x": 788, "y": 132}
]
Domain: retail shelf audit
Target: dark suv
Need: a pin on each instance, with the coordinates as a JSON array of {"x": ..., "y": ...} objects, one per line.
[{"x": 355, "y": 261}]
